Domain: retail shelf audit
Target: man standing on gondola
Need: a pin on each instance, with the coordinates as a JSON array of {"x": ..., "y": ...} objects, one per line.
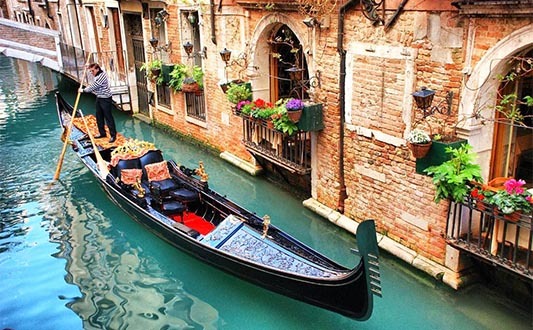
[{"x": 104, "y": 104}]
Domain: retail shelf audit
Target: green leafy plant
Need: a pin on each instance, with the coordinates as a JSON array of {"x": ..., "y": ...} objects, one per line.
[
  {"x": 238, "y": 92},
  {"x": 452, "y": 178},
  {"x": 182, "y": 74},
  {"x": 283, "y": 123},
  {"x": 152, "y": 67}
]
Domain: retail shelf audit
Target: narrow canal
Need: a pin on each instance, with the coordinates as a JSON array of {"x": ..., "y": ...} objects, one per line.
[{"x": 71, "y": 259}]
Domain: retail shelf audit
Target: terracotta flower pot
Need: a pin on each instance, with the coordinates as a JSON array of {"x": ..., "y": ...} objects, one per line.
[
  {"x": 294, "y": 115},
  {"x": 419, "y": 150}
]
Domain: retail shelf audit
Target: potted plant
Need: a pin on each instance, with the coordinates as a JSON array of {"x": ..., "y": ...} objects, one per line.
[
  {"x": 284, "y": 124},
  {"x": 512, "y": 200},
  {"x": 238, "y": 92},
  {"x": 453, "y": 178},
  {"x": 294, "y": 109},
  {"x": 419, "y": 142},
  {"x": 187, "y": 79},
  {"x": 153, "y": 71}
]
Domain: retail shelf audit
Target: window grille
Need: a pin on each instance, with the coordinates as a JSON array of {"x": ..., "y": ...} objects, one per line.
[
  {"x": 163, "y": 95},
  {"x": 195, "y": 105}
]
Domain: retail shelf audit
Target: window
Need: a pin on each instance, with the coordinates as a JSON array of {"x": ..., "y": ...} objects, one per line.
[
  {"x": 163, "y": 95},
  {"x": 195, "y": 105}
]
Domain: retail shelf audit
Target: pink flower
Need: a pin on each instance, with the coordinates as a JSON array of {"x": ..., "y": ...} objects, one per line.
[{"x": 514, "y": 186}]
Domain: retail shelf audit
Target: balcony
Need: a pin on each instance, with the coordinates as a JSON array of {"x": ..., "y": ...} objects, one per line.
[
  {"x": 485, "y": 233},
  {"x": 293, "y": 153}
]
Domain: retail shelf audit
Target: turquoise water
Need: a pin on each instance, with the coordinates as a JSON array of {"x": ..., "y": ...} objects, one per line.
[{"x": 71, "y": 259}]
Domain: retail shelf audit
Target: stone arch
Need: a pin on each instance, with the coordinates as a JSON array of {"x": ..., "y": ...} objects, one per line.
[
  {"x": 479, "y": 91},
  {"x": 260, "y": 50}
]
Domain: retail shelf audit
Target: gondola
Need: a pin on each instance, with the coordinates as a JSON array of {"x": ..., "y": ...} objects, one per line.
[{"x": 177, "y": 204}]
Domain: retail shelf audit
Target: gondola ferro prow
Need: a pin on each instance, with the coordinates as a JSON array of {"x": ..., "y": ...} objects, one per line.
[{"x": 369, "y": 251}]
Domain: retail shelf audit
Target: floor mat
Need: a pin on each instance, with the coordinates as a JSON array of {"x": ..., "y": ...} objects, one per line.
[{"x": 195, "y": 222}]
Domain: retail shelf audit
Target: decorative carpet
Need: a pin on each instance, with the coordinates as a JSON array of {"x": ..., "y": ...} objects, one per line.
[
  {"x": 195, "y": 222},
  {"x": 91, "y": 123}
]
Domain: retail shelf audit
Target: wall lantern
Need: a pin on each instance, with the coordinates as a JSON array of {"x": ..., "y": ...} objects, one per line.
[
  {"x": 188, "y": 48},
  {"x": 310, "y": 22},
  {"x": 161, "y": 17},
  {"x": 225, "y": 55},
  {"x": 154, "y": 42},
  {"x": 191, "y": 18},
  {"x": 424, "y": 98}
]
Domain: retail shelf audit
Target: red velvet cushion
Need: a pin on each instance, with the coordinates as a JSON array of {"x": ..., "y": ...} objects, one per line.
[
  {"x": 157, "y": 171},
  {"x": 130, "y": 175}
]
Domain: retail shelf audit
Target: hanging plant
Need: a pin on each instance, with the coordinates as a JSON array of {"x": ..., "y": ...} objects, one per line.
[
  {"x": 153, "y": 71},
  {"x": 183, "y": 75}
]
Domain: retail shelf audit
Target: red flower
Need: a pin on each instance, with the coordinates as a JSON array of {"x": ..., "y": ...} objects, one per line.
[
  {"x": 477, "y": 195},
  {"x": 260, "y": 103}
]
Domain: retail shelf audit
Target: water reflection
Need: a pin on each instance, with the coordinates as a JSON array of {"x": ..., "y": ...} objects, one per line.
[{"x": 120, "y": 286}]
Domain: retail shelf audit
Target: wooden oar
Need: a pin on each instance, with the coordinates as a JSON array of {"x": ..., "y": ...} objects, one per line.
[
  {"x": 102, "y": 164},
  {"x": 69, "y": 127}
]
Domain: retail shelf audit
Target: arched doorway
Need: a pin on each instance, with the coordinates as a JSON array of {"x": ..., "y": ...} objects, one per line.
[
  {"x": 289, "y": 76},
  {"x": 512, "y": 152}
]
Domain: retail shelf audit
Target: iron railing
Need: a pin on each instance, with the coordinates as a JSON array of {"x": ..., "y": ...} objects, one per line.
[
  {"x": 483, "y": 231},
  {"x": 290, "y": 152},
  {"x": 74, "y": 61}
]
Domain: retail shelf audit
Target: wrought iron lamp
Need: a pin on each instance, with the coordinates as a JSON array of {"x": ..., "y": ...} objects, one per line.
[
  {"x": 154, "y": 42},
  {"x": 424, "y": 98},
  {"x": 189, "y": 49},
  {"x": 225, "y": 55}
]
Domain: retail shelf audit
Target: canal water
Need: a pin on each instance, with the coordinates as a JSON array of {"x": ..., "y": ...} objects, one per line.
[{"x": 71, "y": 259}]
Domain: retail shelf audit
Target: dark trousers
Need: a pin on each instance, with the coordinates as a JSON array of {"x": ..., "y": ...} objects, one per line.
[{"x": 104, "y": 116}]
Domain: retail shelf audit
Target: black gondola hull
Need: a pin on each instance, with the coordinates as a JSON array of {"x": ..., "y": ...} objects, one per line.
[{"x": 347, "y": 293}]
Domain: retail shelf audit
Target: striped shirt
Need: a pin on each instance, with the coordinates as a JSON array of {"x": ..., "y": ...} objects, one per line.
[{"x": 100, "y": 86}]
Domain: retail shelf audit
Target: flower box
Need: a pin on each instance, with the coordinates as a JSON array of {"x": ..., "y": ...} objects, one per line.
[
  {"x": 166, "y": 69},
  {"x": 311, "y": 118},
  {"x": 437, "y": 154}
]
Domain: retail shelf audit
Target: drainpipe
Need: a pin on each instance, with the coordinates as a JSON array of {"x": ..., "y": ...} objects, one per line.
[
  {"x": 212, "y": 13},
  {"x": 342, "y": 94}
]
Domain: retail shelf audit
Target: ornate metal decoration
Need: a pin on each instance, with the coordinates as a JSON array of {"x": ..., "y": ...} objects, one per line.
[{"x": 369, "y": 9}]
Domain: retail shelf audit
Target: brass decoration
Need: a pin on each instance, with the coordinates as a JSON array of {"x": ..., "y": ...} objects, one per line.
[
  {"x": 200, "y": 171},
  {"x": 140, "y": 190},
  {"x": 266, "y": 224}
]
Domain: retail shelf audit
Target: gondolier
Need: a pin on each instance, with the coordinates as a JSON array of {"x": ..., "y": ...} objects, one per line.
[{"x": 100, "y": 88}]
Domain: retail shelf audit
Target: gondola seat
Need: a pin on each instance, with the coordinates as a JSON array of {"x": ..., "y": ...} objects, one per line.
[
  {"x": 184, "y": 195},
  {"x": 125, "y": 164},
  {"x": 155, "y": 171},
  {"x": 171, "y": 207}
]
